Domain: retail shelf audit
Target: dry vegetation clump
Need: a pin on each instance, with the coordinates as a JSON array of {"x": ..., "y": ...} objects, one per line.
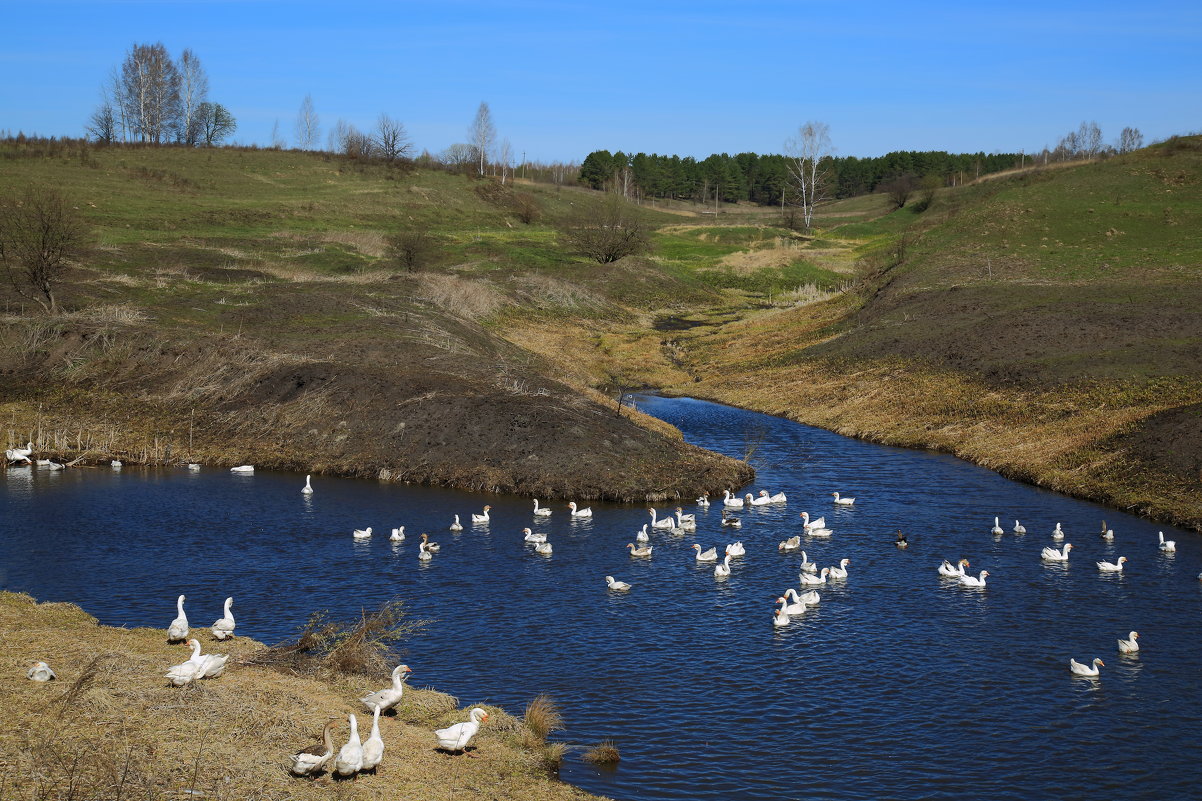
[
  {"x": 459, "y": 296},
  {"x": 543, "y": 716},
  {"x": 603, "y": 753}
]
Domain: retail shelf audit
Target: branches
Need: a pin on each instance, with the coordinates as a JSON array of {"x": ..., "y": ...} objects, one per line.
[
  {"x": 806, "y": 170},
  {"x": 605, "y": 236},
  {"x": 39, "y": 233}
]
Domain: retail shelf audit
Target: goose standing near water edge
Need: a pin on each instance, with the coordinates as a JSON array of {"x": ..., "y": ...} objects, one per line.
[
  {"x": 315, "y": 758},
  {"x": 456, "y": 738},
  {"x": 178, "y": 630},
  {"x": 389, "y": 697},
  {"x": 223, "y": 627}
]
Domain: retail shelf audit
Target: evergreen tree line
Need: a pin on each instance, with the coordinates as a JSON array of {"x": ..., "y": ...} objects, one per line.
[{"x": 764, "y": 179}]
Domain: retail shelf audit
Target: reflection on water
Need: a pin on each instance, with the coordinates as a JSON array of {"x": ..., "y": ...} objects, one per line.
[{"x": 898, "y": 684}]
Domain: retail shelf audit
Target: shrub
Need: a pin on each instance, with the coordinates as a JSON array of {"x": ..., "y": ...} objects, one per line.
[
  {"x": 611, "y": 233},
  {"x": 604, "y": 753},
  {"x": 412, "y": 248},
  {"x": 526, "y": 207},
  {"x": 543, "y": 717}
]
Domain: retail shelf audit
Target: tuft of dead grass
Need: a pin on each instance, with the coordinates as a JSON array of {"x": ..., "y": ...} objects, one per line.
[
  {"x": 543, "y": 716},
  {"x": 603, "y": 753},
  {"x": 462, "y": 297}
]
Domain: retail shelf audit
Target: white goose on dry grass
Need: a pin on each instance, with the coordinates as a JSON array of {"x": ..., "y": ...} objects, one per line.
[
  {"x": 40, "y": 671},
  {"x": 350, "y": 757},
  {"x": 373, "y": 746},
  {"x": 178, "y": 630},
  {"x": 223, "y": 627},
  {"x": 457, "y": 737},
  {"x": 388, "y": 697}
]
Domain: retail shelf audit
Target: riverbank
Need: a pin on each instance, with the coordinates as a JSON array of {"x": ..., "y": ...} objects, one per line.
[{"x": 111, "y": 727}]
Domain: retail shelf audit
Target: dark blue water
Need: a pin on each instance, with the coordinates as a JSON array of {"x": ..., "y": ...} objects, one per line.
[{"x": 898, "y": 685}]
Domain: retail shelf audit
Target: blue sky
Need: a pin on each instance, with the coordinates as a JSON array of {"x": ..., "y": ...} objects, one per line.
[{"x": 691, "y": 78}]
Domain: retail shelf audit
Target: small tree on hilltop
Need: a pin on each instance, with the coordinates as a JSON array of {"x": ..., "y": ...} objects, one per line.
[
  {"x": 39, "y": 233},
  {"x": 610, "y": 233}
]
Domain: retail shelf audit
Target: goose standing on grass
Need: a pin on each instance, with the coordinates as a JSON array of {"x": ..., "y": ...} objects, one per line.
[
  {"x": 1129, "y": 645},
  {"x": 185, "y": 672},
  {"x": 350, "y": 757},
  {"x": 373, "y": 747},
  {"x": 791, "y": 544},
  {"x": 1112, "y": 567},
  {"x": 660, "y": 522},
  {"x": 843, "y": 501},
  {"x": 40, "y": 671},
  {"x": 1169, "y": 546},
  {"x": 731, "y": 520},
  {"x": 810, "y": 578},
  {"x": 686, "y": 522},
  {"x": 722, "y": 569},
  {"x": 839, "y": 572},
  {"x": 455, "y": 738},
  {"x": 397, "y": 535},
  {"x": 900, "y": 541},
  {"x": 730, "y": 501},
  {"x": 178, "y": 630},
  {"x": 645, "y": 551},
  {"x": 806, "y": 565},
  {"x": 704, "y": 500},
  {"x": 212, "y": 665},
  {"x": 423, "y": 552},
  {"x": 948, "y": 571},
  {"x": 389, "y": 697},
  {"x": 736, "y": 548},
  {"x": 308, "y": 488},
  {"x": 614, "y": 584},
  {"x": 1019, "y": 528},
  {"x": 795, "y": 606},
  {"x": 483, "y": 517},
  {"x": 706, "y": 556},
  {"x": 997, "y": 528},
  {"x": 1090, "y": 670},
  {"x": 431, "y": 546},
  {"x": 641, "y": 536},
  {"x": 1057, "y": 533},
  {"x": 781, "y": 618},
  {"x": 1053, "y": 555},
  {"x": 576, "y": 513},
  {"x": 456, "y": 526},
  {"x": 315, "y": 758},
  {"x": 974, "y": 581},
  {"x": 362, "y": 533},
  {"x": 530, "y": 536},
  {"x": 541, "y": 511},
  {"x": 223, "y": 627}
]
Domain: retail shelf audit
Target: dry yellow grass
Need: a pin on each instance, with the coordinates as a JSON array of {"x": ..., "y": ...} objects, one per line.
[{"x": 122, "y": 732}]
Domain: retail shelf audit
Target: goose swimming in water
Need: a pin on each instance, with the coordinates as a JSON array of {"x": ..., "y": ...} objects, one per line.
[
  {"x": 646, "y": 551},
  {"x": 1112, "y": 567},
  {"x": 781, "y": 616},
  {"x": 948, "y": 571},
  {"x": 843, "y": 501},
  {"x": 586, "y": 512},
  {"x": 731, "y": 520},
  {"x": 543, "y": 548},
  {"x": 806, "y": 565},
  {"x": 997, "y": 528},
  {"x": 1167, "y": 545},
  {"x": 809, "y": 597},
  {"x": 431, "y": 546},
  {"x": 641, "y": 536},
  {"x": 1106, "y": 533},
  {"x": 662, "y": 522},
  {"x": 423, "y": 552},
  {"x": 1129, "y": 645},
  {"x": 796, "y": 607},
  {"x": 704, "y": 500},
  {"x": 614, "y": 584},
  {"x": 481, "y": 518},
  {"x": 1057, "y": 533},
  {"x": 243, "y": 468},
  {"x": 730, "y": 501},
  {"x": 736, "y": 549},
  {"x": 1090, "y": 670},
  {"x": 839, "y": 572},
  {"x": 812, "y": 524},
  {"x": 530, "y": 536},
  {"x": 706, "y": 556},
  {"x": 974, "y": 581},
  {"x": 685, "y": 522},
  {"x": 456, "y": 526},
  {"x": 1019, "y": 528},
  {"x": 791, "y": 544},
  {"x": 362, "y": 533},
  {"x": 178, "y": 630},
  {"x": 1053, "y": 555},
  {"x": 308, "y": 488},
  {"x": 901, "y": 541},
  {"x": 751, "y": 500},
  {"x": 810, "y": 578},
  {"x": 541, "y": 511},
  {"x": 397, "y": 535},
  {"x": 722, "y": 568}
]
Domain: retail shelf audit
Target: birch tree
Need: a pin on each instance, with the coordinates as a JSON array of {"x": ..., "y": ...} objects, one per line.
[
  {"x": 1130, "y": 139},
  {"x": 308, "y": 126},
  {"x": 806, "y": 171},
  {"x": 193, "y": 90},
  {"x": 150, "y": 86},
  {"x": 482, "y": 133}
]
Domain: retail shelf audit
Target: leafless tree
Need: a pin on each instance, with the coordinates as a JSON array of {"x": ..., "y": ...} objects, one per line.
[
  {"x": 1090, "y": 136},
  {"x": 213, "y": 123},
  {"x": 150, "y": 92},
  {"x": 102, "y": 125},
  {"x": 308, "y": 127},
  {"x": 193, "y": 90},
  {"x": 899, "y": 189},
  {"x": 459, "y": 157},
  {"x": 412, "y": 247},
  {"x": 482, "y": 133},
  {"x": 277, "y": 141},
  {"x": 39, "y": 233},
  {"x": 526, "y": 207},
  {"x": 1130, "y": 139},
  {"x": 608, "y": 234},
  {"x": 505, "y": 156},
  {"x": 806, "y": 170},
  {"x": 336, "y": 139},
  {"x": 391, "y": 141}
]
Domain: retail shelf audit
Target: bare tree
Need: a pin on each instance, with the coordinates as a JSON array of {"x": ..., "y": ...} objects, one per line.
[
  {"x": 608, "y": 234},
  {"x": 150, "y": 92},
  {"x": 277, "y": 141},
  {"x": 505, "y": 156},
  {"x": 213, "y": 123},
  {"x": 1090, "y": 137},
  {"x": 391, "y": 140},
  {"x": 193, "y": 90},
  {"x": 459, "y": 157},
  {"x": 308, "y": 127},
  {"x": 336, "y": 139},
  {"x": 482, "y": 133},
  {"x": 1130, "y": 139},
  {"x": 39, "y": 233},
  {"x": 806, "y": 170},
  {"x": 412, "y": 247},
  {"x": 102, "y": 125},
  {"x": 899, "y": 189}
]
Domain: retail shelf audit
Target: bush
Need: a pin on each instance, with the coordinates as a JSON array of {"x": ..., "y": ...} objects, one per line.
[
  {"x": 615, "y": 231},
  {"x": 412, "y": 248},
  {"x": 526, "y": 207},
  {"x": 39, "y": 234},
  {"x": 604, "y": 753},
  {"x": 543, "y": 717}
]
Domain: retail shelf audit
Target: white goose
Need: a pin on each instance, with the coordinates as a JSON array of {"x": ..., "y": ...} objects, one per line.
[
  {"x": 1085, "y": 670},
  {"x": 1112, "y": 567},
  {"x": 456, "y": 526},
  {"x": 762, "y": 500},
  {"x": 812, "y": 524},
  {"x": 1053, "y": 555},
  {"x": 736, "y": 549},
  {"x": 530, "y": 536},
  {"x": 315, "y": 758},
  {"x": 685, "y": 522},
  {"x": 810, "y": 578},
  {"x": 974, "y": 581},
  {"x": 781, "y": 618},
  {"x": 1106, "y": 533},
  {"x": 178, "y": 630},
  {"x": 1167, "y": 545},
  {"x": 362, "y": 533},
  {"x": 839, "y": 572},
  {"x": 706, "y": 556},
  {"x": 389, "y": 697},
  {"x": 731, "y": 521},
  {"x": 397, "y": 535},
  {"x": 703, "y": 501},
  {"x": 1019, "y": 528},
  {"x": 543, "y": 548},
  {"x": 483, "y": 517},
  {"x": 809, "y": 597},
  {"x": 223, "y": 627},
  {"x": 20, "y": 454},
  {"x": 350, "y": 757},
  {"x": 641, "y": 536},
  {"x": 722, "y": 569},
  {"x": 423, "y": 552},
  {"x": 373, "y": 747},
  {"x": 793, "y": 604},
  {"x": 806, "y": 565},
  {"x": 541, "y": 511},
  {"x": 661, "y": 522},
  {"x": 185, "y": 672},
  {"x": 777, "y": 498},
  {"x": 308, "y": 488},
  {"x": 586, "y": 512},
  {"x": 791, "y": 544},
  {"x": 997, "y": 528},
  {"x": 1057, "y": 533},
  {"x": 843, "y": 501},
  {"x": 431, "y": 546},
  {"x": 242, "y": 468},
  {"x": 40, "y": 671},
  {"x": 645, "y": 551},
  {"x": 212, "y": 665},
  {"x": 614, "y": 584},
  {"x": 730, "y": 501},
  {"x": 1129, "y": 645},
  {"x": 456, "y": 738},
  {"x": 948, "y": 571}
]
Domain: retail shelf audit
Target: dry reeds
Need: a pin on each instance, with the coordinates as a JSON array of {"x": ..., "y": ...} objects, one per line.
[
  {"x": 543, "y": 717},
  {"x": 603, "y": 753}
]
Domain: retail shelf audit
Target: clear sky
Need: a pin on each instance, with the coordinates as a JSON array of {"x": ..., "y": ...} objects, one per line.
[{"x": 690, "y": 78}]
